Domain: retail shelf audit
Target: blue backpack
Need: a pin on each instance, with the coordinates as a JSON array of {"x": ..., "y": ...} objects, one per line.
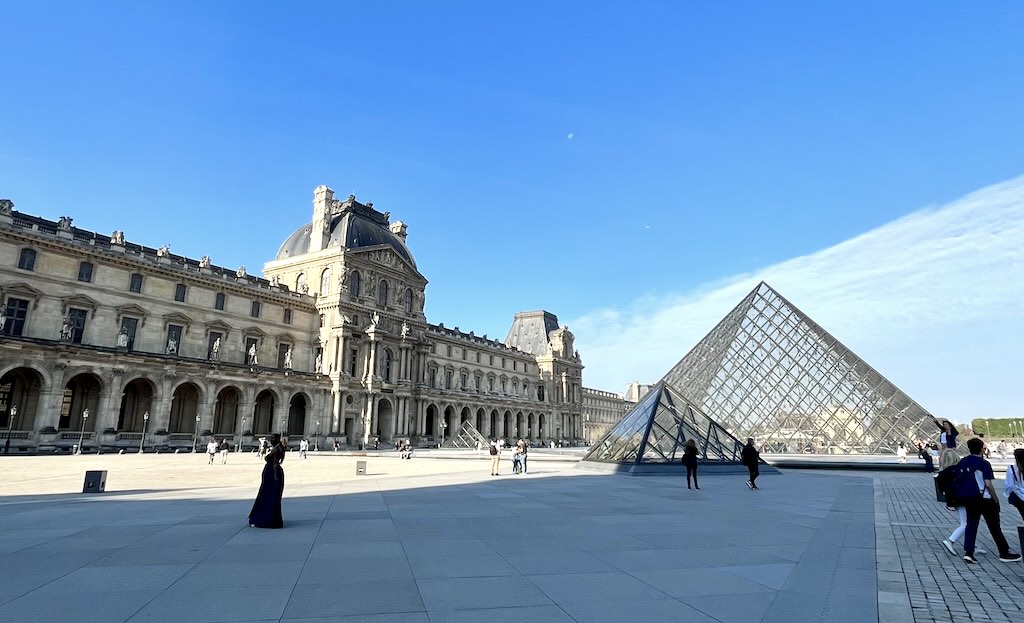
[{"x": 965, "y": 484}]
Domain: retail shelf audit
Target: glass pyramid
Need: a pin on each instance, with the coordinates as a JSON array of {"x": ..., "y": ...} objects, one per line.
[
  {"x": 770, "y": 372},
  {"x": 465, "y": 436},
  {"x": 657, "y": 429}
]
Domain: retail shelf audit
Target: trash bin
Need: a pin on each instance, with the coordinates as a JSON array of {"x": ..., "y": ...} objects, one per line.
[
  {"x": 360, "y": 468},
  {"x": 95, "y": 481}
]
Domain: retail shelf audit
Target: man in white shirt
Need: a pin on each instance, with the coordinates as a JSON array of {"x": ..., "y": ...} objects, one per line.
[{"x": 211, "y": 450}]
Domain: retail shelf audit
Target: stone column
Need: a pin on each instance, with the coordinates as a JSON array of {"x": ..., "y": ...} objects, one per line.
[
  {"x": 48, "y": 411},
  {"x": 280, "y": 418}
]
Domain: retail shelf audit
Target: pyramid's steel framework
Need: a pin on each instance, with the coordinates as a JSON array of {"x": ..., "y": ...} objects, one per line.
[{"x": 768, "y": 371}]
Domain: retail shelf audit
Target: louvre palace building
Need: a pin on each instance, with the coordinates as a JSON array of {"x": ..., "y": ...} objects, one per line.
[{"x": 121, "y": 346}]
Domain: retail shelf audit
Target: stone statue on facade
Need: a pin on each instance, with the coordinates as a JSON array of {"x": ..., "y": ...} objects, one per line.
[
  {"x": 288, "y": 359},
  {"x": 117, "y": 237},
  {"x": 172, "y": 346},
  {"x": 374, "y": 320},
  {"x": 204, "y": 262},
  {"x": 6, "y": 206},
  {"x": 346, "y": 319},
  {"x": 318, "y": 366},
  {"x": 215, "y": 351},
  {"x": 3, "y": 316},
  {"x": 405, "y": 330},
  {"x": 419, "y": 300},
  {"x": 253, "y": 358},
  {"x": 275, "y": 281},
  {"x": 65, "y": 329},
  {"x": 163, "y": 251},
  {"x": 240, "y": 273},
  {"x": 64, "y": 223},
  {"x": 122, "y": 338}
]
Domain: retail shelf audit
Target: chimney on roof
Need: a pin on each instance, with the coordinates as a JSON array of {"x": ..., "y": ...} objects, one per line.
[
  {"x": 323, "y": 197},
  {"x": 400, "y": 229}
]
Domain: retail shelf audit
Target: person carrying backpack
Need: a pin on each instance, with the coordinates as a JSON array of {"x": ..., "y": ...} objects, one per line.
[
  {"x": 495, "y": 457},
  {"x": 974, "y": 490}
]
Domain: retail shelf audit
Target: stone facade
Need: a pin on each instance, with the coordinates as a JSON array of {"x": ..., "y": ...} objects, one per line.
[
  {"x": 331, "y": 343},
  {"x": 601, "y": 411}
]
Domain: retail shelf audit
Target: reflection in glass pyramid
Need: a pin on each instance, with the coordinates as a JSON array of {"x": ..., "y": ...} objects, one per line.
[
  {"x": 770, "y": 372},
  {"x": 656, "y": 430}
]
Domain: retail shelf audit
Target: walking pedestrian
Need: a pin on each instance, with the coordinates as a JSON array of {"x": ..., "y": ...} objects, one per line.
[
  {"x": 751, "y": 458},
  {"x": 211, "y": 450},
  {"x": 980, "y": 503},
  {"x": 901, "y": 453},
  {"x": 1015, "y": 482},
  {"x": 224, "y": 447},
  {"x": 495, "y": 450},
  {"x": 266, "y": 510},
  {"x": 947, "y": 437},
  {"x": 303, "y": 448},
  {"x": 690, "y": 461},
  {"x": 526, "y": 450}
]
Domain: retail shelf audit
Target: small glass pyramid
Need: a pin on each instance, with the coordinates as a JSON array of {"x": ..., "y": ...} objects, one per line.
[
  {"x": 657, "y": 429},
  {"x": 465, "y": 436}
]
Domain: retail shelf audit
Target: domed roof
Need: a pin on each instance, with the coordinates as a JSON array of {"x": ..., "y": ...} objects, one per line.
[{"x": 351, "y": 229}]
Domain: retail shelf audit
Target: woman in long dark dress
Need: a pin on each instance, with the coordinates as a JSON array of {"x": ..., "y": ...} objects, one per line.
[{"x": 266, "y": 510}]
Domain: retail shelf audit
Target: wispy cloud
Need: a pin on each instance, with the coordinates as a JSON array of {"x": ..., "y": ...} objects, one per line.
[{"x": 932, "y": 300}]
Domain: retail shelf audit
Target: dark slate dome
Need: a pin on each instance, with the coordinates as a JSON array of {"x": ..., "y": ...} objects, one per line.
[{"x": 352, "y": 229}]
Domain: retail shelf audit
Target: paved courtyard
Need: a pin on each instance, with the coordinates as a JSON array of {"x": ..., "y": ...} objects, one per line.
[{"x": 439, "y": 540}]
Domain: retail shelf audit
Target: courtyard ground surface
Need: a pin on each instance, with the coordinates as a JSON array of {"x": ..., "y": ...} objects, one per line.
[{"x": 437, "y": 539}]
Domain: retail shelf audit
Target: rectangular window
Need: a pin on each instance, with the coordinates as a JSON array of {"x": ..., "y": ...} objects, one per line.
[
  {"x": 353, "y": 359},
  {"x": 179, "y": 293},
  {"x": 447, "y": 379},
  {"x": 465, "y": 354},
  {"x": 254, "y": 311},
  {"x": 85, "y": 272},
  {"x": 27, "y": 259},
  {"x": 287, "y": 316},
  {"x": 478, "y": 357},
  {"x": 15, "y": 314},
  {"x": 514, "y": 364},
  {"x": 464, "y": 381},
  {"x": 126, "y": 339},
  {"x": 173, "y": 339},
  {"x": 490, "y": 361},
  {"x": 77, "y": 317},
  {"x": 449, "y": 351},
  {"x": 214, "y": 336},
  {"x": 218, "y": 301},
  {"x": 135, "y": 283},
  {"x": 282, "y": 349}
]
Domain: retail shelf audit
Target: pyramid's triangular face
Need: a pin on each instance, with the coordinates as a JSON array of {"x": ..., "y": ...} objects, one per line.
[
  {"x": 770, "y": 372},
  {"x": 465, "y": 436},
  {"x": 657, "y": 429}
]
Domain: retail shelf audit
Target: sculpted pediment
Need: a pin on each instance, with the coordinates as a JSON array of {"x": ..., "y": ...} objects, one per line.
[
  {"x": 21, "y": 290},
  {"x": 79, "y": 301},
  {"x": 177, "y": 318}
]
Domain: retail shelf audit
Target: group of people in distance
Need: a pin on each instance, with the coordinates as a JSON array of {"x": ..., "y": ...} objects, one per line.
[
  {"x": 519, "y": 454},
  {"x": 967, "y": 484}
]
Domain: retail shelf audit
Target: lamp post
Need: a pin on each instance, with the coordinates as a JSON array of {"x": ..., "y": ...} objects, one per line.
[
  {"x": 443, "y": 426},
  {"x": 145, "y": 422},
  {"x": 195, "y": 437},
  {"x": 316, "y": 438},
  {"x": 10, "y": 426},
  {"x": 81, "y": 436}
]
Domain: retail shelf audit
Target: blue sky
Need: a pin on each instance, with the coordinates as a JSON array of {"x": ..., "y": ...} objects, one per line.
[{"x": 582, "y": 157}]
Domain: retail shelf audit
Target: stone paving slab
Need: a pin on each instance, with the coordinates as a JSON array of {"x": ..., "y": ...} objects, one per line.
[{"x": 436, "y": 541}]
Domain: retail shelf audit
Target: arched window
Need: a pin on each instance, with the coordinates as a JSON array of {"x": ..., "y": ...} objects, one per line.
[
  {"x": 408, "y": 300},
  {"x": 300, "y": 282},
  {"x": 382, "y": 294},
  {"x": 354, "y": 283},
  {"x": 325, "y": 282}
]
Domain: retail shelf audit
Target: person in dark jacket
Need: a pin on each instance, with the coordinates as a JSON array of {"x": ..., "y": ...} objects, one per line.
[
  {"x": 751, "y": 458},
  {"x": 690, "y": 461}
]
